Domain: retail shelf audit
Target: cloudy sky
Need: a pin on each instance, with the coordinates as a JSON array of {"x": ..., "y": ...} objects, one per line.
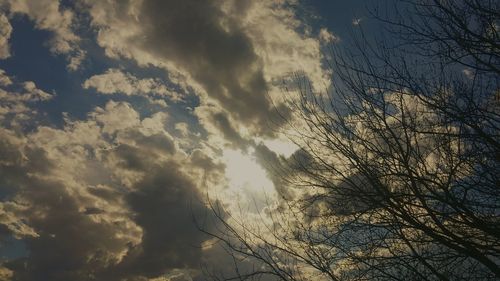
[{"x": 118, "y": 119}]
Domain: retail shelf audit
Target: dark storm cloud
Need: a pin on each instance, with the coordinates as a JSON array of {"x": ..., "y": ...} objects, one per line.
[
  {"x": 68, "y": 243},
  {"x": 142, "y": 231},
  {"x": 164, "y": 205},
  {"x": 221, "y": 121},
  {"x": 213, "y": 49}
]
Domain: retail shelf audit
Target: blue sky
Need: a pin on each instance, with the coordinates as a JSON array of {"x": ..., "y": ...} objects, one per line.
[{"x": 115, "y": 115}]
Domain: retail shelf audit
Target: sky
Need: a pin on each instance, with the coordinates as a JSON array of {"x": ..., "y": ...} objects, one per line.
[{"x": 120, "y": 120}]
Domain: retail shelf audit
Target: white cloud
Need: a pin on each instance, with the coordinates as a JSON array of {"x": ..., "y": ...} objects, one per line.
[
  {"x": 108, "y": 193},
  {"x": 115, "y": 81},
  {"x": 115, "y": 117},
  {"x": 5, "y": 31},
  {"x": 16, "y": 99},
  {"x": 51, "y": 16},
  {"x": 8, "y": 218},
  {"x": 5, "y": 274},
  {"x": 283, "y": 49},
  {"x": 326, "y": 36},
  {"x": 4, "y": 78}
]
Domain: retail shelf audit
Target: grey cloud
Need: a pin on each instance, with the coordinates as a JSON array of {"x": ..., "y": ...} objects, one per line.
[
  {"x": 93, "y": 211},
  {"x": 69, "y": 245},
  {"x": 218, "y": 55},
  {"x": 82, "y": 240},
  {"x": 282, "y": 171},
  {"x": 16, "y": 100},
  {"x": 91, "y": 228},
  {"x": 221, "y": 121},
  {"x": 5, "y": 31},
  {"x": 227, "y": 266},
  {"x": 277, "y": 168},
  {"x": 228, "y": 49},
  {"x": 104, "y": 192},
  {"x": 164, "y": 204},
  {"x": 159, "y": 142},
  {"x": 203, "y": 161}
]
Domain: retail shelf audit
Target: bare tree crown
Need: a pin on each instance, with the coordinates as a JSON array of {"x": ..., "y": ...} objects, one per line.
[{"x": 398, "y": 173}]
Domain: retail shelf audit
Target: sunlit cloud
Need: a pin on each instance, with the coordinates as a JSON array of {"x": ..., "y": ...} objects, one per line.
[
  {"x": 126, "y": 117},
  {"x": 244, "y": 173}
]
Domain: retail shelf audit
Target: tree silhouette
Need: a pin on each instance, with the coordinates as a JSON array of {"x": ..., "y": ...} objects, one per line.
[{"x": 398, "y": 173}]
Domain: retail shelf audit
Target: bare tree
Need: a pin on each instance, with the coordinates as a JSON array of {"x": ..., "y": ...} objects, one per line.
[{"x": 398, "y": 175}]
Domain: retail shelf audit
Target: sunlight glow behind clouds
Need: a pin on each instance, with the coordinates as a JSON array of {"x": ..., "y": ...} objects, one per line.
[
  {"x": 281, "y": 146},
  {"x": 125, "y": 167},
  {"x": 243, "y": 171}
]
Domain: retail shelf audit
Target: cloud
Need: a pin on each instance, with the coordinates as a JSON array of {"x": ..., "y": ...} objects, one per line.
[
  {"x": 5, "y": 31},
  {"x": 275, "y": 32},
  {"x": 16, "y": 99},
  {"x": 220, "y": 58},
  {"x": 115, "y": 81},
  {"x": 110, "y": 197},
  {"x": 45, "y": 172},
  {"x": 233, "y": 55},
  {"x": 5, "y": 274},
  {"x": 327, "y": 37},
  {"x": 163, "y": 206},
  {"x": 51, "y": 16},
  {"x": 9, "y": 220}
]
